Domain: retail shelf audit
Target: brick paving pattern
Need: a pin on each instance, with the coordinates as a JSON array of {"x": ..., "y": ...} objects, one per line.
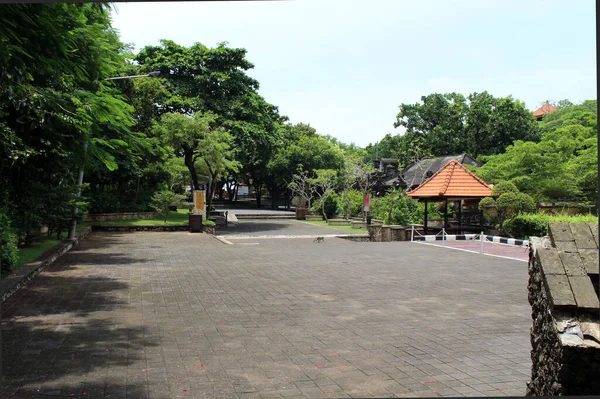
[
  {"x": 278, "y": 228},
  {"x": 166, "y": 315}
]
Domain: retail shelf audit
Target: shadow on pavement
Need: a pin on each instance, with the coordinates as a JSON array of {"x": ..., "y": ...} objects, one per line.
[{"x": 59, "y": 340}]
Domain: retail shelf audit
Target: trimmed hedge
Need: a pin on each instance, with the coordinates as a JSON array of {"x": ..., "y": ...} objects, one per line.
[
  {"x": 526, "y": 225},
  {"x": 9, "y": 253}
]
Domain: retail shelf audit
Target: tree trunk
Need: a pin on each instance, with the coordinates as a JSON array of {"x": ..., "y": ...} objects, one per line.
[
  {"x": 258, "y": 192},
  {"x": 275, "y": 194},
  {"x": 73, "y": 228},
  {"x": 188, "y": 157}
]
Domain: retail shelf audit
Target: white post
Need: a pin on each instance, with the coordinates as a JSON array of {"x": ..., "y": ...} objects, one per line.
[
  {"x": 481, "y": 238},
  {"x": 443, "y": 236},
  {"x": 412, "y": 232}
]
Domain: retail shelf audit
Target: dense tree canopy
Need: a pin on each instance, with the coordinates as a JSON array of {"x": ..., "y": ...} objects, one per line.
[
  {"x": 562, "y": 166},
  {"x": 445, "y": 124}
]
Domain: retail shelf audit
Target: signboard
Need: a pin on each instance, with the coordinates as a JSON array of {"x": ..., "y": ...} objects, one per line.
[
  {"x": 366, "y": 203},
  {"x": 198, "y": 201}
]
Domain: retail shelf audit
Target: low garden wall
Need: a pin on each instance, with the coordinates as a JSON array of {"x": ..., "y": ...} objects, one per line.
[
  {"x": 103, "y": 217},
  {"x": 384, "y": 233}
]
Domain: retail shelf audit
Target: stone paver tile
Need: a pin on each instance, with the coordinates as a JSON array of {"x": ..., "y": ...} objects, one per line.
[{"x": 134, "y": 315}]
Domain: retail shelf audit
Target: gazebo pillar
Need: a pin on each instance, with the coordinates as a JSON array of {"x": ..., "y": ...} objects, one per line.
[
  {"x": 425, "y": 221},
  {"x": 460, "y": 215},
  {"x": 446, "y": 214}
]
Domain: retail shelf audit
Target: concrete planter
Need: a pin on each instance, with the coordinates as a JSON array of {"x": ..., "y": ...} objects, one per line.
[
  {"x": 301, "y": 212},
  {"x": 375, "y": 232},
  {"x": 398, "y": 233},
  {"x": 210, "y": 229},
  {"x": 358, "y": 224},
  {"x": 386, "y": 233}
]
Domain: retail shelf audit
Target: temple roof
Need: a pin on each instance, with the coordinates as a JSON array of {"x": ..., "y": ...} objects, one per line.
[
  {"x": 544, "y": 109},
  {"x": 452, "y": 181},
  {"x": 420, "y": 171}
]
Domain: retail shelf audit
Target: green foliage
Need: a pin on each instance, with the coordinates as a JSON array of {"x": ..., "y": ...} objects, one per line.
[
  {"x": 487, "y": 203},
  {"x": 350, "y": 203},
  {"x": 526, "y": 225},
  {"x": 509, "y": 202},
  {"x": 405, "y": 209},
  {"x": 9, "y": 253},
  {"x": 209, "y": 223},
  {"x": 562, "y": 166},
  {"x": 451, "y": 124},
  {"x": 504, "y": 187},
  {"x": 329, "y": 207},
  {"x": 163, "y": 200}
]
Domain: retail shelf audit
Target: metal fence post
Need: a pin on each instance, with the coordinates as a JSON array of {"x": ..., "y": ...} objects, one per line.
[
  {"x": 481, "y": 238},
  {"x": 443, "y": 236},
  {"x": 412, "y": 232}
]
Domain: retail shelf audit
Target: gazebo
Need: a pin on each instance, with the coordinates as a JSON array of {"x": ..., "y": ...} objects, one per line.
[{"x": 452, "y": 183}]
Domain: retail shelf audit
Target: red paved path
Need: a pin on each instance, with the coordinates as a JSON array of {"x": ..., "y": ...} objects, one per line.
[{"x": 490, "y": 248}]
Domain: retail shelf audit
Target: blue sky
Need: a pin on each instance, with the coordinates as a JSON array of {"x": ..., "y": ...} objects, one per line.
[{"x": 345, "y": 66}]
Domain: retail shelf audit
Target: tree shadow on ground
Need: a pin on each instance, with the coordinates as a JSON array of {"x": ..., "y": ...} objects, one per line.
[
  {"x": 247, "y": 227},
  {"x": 71, "y": 332}
]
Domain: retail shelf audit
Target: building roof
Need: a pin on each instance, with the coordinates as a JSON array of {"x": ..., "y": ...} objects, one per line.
[
  {"x": 544, "y": 109},
  {"x": 420, "y": 171},
  {"x": 568, "y": 258},
  {"x": 452, "y": 181}
]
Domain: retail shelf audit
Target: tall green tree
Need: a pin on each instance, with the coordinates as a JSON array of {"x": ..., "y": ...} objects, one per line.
[
  {"x": 302, "y": 148},
  {"x": 562, "y": 166},
  {"x": 443, "y": 124},
  {"x": 56, "y": 109}
]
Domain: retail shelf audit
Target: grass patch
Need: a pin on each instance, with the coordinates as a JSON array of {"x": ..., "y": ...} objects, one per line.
[
  {"x": 32, "y": 252},
  {"x": 179, "y": 218},
  {"x": 589, "y": 218},
  {"x": 345, "y": 228},
  {"x": 38, "y": 247}
]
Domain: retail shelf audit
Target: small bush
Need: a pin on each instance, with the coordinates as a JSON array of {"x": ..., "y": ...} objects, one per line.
[
  {"x": 163, "y": 200},
  {"x": 355, "y": 198},
  {"x": 527, "y": 225},
  {"x": 209, "y": 223},
  {"x": 504, "y": 187},
  {"x": 9, "y": 253}
]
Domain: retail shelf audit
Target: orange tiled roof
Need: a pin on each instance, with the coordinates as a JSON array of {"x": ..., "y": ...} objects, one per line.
[
  {"x": 452, "y": 181},
  {"x": 544, "y": 109}
]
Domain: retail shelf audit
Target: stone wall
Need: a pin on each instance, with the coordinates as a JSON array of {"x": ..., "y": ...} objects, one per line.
[
  {"x": 102, "y": 217},
  {"x": 545, "y": 343},
  {"x": 565, "y": 334}
]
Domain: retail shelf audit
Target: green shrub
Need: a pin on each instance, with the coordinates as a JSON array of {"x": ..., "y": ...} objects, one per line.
[
  {"x": 9, "y": 253},
  {"x": 486, "y": 203},
  {"x": 162, "y": 202},
  {"x": 504, "y": 187},
  {"x": 526, "y": 225},
  {"x": 207, "y": 222},
  {"x": 405, "y": 210},
  {"x": 355, "y": 208}
]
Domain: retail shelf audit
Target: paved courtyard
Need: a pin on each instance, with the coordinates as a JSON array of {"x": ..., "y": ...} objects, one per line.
[
  {"x": 269, "y": 228},
  {"x": 166, "y": 315}
]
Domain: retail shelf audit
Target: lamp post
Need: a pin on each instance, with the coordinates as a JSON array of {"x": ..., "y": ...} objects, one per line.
[{"x": 73, "y": 227}]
